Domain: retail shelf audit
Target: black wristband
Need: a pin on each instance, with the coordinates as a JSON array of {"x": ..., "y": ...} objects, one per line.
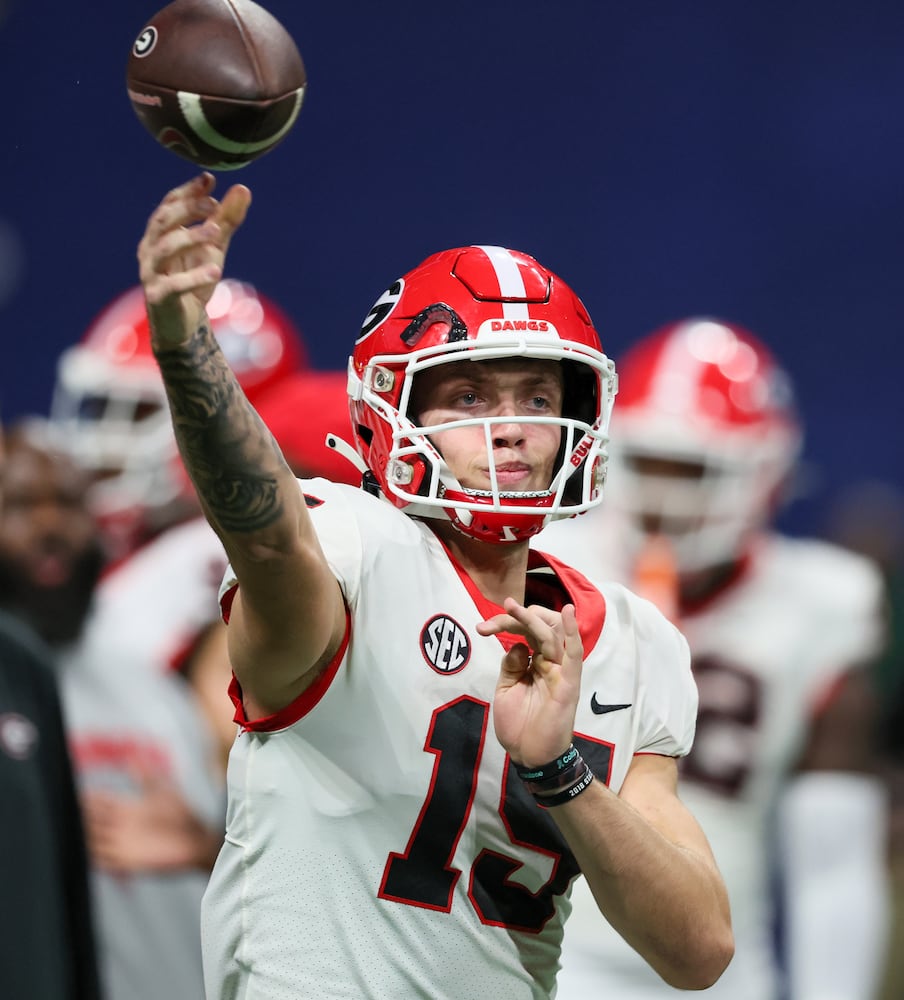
[
  {"x": 567, "y": 794},
  {"x": 574, "y": 772},
  {"x": 551, "y": 770}
]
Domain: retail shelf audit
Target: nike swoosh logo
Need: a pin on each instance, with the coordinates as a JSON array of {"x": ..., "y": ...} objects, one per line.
[{"x": 600, "y": 709}]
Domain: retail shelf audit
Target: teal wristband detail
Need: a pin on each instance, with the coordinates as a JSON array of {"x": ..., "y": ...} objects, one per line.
[{"x": 551, "y": 770}]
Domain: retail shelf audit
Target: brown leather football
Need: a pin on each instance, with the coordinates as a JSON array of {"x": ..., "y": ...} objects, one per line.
[{"x": 218, "y": 82}]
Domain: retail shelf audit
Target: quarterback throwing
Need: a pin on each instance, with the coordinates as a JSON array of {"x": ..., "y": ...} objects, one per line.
[{"x": 406, "y": 813}]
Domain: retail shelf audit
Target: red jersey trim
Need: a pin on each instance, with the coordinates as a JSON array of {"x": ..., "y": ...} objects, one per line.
[
  {"x": 184, "y": 652},
  {"x": 226, "y": 602},
  {"x": 738, "y": 572},
  {"x": 303, "y": 704},
  {"x": 589, "y": 603}
]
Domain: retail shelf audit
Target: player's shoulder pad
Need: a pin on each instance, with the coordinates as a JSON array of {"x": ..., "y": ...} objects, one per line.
[
  {"x": 649, "y": 624},
  {"x": 827, "y": 575}
]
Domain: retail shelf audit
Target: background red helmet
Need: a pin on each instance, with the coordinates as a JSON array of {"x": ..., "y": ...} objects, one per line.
[
  {"x": 479, "y": 303},
  {"x": 109, "y": 406},
  {"x": 303, "y": 410},
  {"x": 704, "y": 438}
]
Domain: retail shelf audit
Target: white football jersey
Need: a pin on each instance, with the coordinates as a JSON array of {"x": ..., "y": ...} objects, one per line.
[
  {"x": 765, "y": 652},
  {"x": 379, "y": 843},
  {"x": 128, "y": 711}
]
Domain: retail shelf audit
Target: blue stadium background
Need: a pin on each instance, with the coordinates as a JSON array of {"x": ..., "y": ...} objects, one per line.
[{"x": 741, "y": 160}]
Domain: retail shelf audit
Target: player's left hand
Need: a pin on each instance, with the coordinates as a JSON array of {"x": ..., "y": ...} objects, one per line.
[{"x": 539, "y": 683}]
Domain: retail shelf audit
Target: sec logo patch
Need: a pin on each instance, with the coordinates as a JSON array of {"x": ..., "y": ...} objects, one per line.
[{"x": 445, "y": 645}]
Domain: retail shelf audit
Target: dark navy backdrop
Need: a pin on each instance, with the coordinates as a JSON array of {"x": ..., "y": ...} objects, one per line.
[{"x": 743, "y": 160}]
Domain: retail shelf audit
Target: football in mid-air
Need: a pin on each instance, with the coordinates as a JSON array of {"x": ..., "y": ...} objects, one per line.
[{"x": 218, "y": 82}]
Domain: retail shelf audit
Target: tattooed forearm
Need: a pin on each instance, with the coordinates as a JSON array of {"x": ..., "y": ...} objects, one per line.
[{"x": 230, "y": 454}]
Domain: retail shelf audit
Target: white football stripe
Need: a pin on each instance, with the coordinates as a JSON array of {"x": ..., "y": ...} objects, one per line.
[
  {"x": 190, "y": 104},
  {"x": 511, "y": 284}
]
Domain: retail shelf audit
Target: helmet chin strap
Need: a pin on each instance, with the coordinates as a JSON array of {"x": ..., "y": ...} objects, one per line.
[{"x": 349, "y": 453}]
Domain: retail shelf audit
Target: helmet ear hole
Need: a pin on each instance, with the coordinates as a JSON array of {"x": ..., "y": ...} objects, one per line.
[
  {"x": 580, "y": 400},
  {"x": 580, "y": 392}
]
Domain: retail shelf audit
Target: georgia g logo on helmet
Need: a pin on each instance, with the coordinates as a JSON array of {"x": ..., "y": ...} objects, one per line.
[{"x": 381, "y": 309}]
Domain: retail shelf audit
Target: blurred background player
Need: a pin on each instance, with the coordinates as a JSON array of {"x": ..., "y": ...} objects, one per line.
[
  {"x": 51, "y": 554},
  {"x": 47, "y": 944},
  {"x": 868, "y": 517},
  {"x": 150, "y": 792},
  {"x": 110, "y": 410},
  {"x": 782, "y": 631},
  {"x": 147, "y": 757}
]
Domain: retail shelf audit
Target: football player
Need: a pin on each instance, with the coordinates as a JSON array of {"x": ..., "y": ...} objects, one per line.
[
  {"x": 782, "y": 776},
  {"x": 150, "y": 792},
  {"x": 437, "y": 730},
  {"x": 47, "y": 940}
]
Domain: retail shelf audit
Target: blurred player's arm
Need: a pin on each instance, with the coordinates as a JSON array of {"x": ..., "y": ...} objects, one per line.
[
  {"x": 208, "y": 670},
  {"x": 288, "y": 618},
  {"x": 833, "y": 822},
  {"x": 153, "y": 829}
]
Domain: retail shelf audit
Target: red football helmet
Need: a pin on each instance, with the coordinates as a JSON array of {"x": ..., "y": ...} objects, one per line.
[
  {"x": 305, "y": 410},
  {"x": 478, "y": 303},
  {"x": 109, "y": 407},
  {"x": 704, "y": 437}
]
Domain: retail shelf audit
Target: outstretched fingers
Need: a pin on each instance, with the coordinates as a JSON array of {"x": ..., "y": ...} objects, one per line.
[
  {"x": 542, "y": 627},
  {"x": 183, "y": 206},
  {"x": 186, "y": 239}
]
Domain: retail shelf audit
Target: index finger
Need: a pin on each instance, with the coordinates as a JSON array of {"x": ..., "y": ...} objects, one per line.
[{"x": 182, "y": 205}]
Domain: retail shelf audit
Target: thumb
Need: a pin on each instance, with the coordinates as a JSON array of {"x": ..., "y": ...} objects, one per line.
[{"x": 233, "y": 209}]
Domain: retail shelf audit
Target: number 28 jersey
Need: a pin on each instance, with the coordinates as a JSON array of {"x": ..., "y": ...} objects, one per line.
[{"x": 378, "y": 841}]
